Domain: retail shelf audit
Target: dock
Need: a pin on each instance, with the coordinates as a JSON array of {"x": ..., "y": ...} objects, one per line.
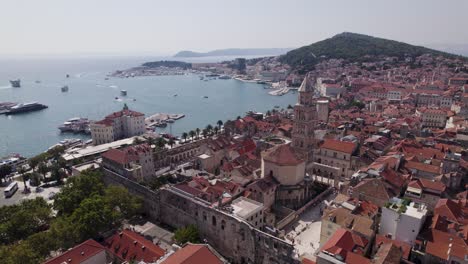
[{"x": 161, "y": 118}]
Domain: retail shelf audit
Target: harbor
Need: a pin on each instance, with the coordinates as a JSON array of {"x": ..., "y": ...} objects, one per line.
[
  {"x": 161, "y": 120},
  {"x": 91, "y": 96}
]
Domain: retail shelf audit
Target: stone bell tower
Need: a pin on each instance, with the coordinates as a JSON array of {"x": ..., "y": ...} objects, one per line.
[{"x": 305, "y": 119}]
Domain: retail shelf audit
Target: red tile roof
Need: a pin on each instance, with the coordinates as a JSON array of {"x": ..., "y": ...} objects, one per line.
[
  {"x": 413, "y": 165},
  {"x": 451, "y": 209},
  {"x": 78, "y": 254},
  {"x": 193, "y": 254},
  {"x": 283, "y": 155},
  {"x": 406, "y": 248},
  {"x": 127, "y": 154},
  {"x": 128, "y": 245},
  {"x": 342, "y": 146},
  {"x": 427, "y": 185},
  {"x": 344, "y": 242},
  {"x": 443, "y": 245}
]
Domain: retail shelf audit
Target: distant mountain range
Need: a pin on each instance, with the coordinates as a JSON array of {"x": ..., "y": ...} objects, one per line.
[
  {"x": 234, "y": 52},
  {"x": 353, "y": 47}
]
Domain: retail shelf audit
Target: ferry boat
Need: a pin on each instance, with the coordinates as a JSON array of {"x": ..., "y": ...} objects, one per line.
[
  {"x": 64, "y": 88},
  {"x": 15, "y": 83},
  {"x": 123, "y": 92},
  {"x": 26, "y": 107},
  {"x": 76, "y": 125}
]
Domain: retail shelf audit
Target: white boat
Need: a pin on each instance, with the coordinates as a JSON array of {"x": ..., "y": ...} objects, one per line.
[{"x": 123, "y": 92}]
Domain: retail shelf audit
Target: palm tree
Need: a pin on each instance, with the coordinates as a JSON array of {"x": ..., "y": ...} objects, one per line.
[
  {"x": 197, "y": 130},
  {"x": 192, "y": 134},
  {"x": 219, "y": 123},
  {"x": 238, "y": 117},
  {"x": 216, "y": 129},
  {"x": 184, "y": 136},
  {"x": 205, "y": 133},
  {"x": 160, "y": 142},
  {"x": 171, "y": 142},
  {"x": 209, "y": 128},
  {"x": 268, "y": 113}
]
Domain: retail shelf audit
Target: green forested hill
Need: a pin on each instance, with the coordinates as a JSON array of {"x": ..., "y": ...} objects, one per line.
[{"x": 353, "y": 47}]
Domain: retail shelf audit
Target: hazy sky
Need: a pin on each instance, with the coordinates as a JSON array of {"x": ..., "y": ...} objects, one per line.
[{"x": 165, "y": 27}]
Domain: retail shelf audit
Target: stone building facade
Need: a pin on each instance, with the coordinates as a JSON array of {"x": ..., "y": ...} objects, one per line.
[
  {"x": 305, "y": 120},
  {"x": 118, "y": 125},
  {"x": 239, "y": 241}
]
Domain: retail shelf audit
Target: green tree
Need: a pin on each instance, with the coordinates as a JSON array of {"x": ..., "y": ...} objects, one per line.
[
  {"x": 43, "y": 169},
  {"x": 76, "y": 190},
  {"x": 219, "y": 123},
  {"x": 64, "y": 232},
  {"x": 184, "y": 136},
  {"x": 93, "y": 216},
  {"x": 119, "y": 199},
  {"x": 160, "y": 142},
  {"x": 187, "y": 234},
  {"x": 192, "y": 134},
  {"x": 209, "y": 128},
  {"x": 205, "y": 133},
  {"x": 171, "y": 142},
  {"x": 216, "y": 130},
  {"x": 17, "y": 222},
  {"x": 5, "y": 170},
  {"x": 197, "y": 130}
]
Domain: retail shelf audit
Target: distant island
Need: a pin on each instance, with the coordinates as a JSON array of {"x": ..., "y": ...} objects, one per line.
[
  {"x": 168, "y": 64},
  {"x": 234, "y": 52}
]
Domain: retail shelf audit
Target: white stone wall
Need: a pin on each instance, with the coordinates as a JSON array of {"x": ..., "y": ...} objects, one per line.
[{"x": 286, "y": 175}]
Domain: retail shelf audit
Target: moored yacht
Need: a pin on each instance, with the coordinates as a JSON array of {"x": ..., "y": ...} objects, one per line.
[{"x": 26, "y": 107}]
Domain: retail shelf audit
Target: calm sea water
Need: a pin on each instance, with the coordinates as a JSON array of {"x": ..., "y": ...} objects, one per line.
[{"x": 91, "y": 96}]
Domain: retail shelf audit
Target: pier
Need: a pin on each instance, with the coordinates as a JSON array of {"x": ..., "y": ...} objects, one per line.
[{"x": 161, "y": 118}]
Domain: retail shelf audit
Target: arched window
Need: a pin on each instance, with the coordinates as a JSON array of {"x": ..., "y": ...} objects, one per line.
[
  {"x": 271, "y": 173},
  {"x": 213, "y": 220}
]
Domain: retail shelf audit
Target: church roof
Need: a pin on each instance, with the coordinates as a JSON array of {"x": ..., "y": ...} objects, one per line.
[
  {"x": 307, "y": 85},
  {"x": 283, "y": 155}
]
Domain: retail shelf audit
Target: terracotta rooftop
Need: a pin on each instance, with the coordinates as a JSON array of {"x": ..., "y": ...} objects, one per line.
[
  {"x": 193, "y": 254},
  {"x": 406, "y": 248},
  {"x": 344, "y": 243},
  {"x": 130, "y": 246},
  {"x": 413, "y": 165},
  {"x": 283, "y": 155},
  {"x": 78, "y": 254},
  {"x": 387, "y": 254},
  {"x": 452, "y": 210},
  {"x": 427, "y": 185},
  {"x": 341, "y": 146}
]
